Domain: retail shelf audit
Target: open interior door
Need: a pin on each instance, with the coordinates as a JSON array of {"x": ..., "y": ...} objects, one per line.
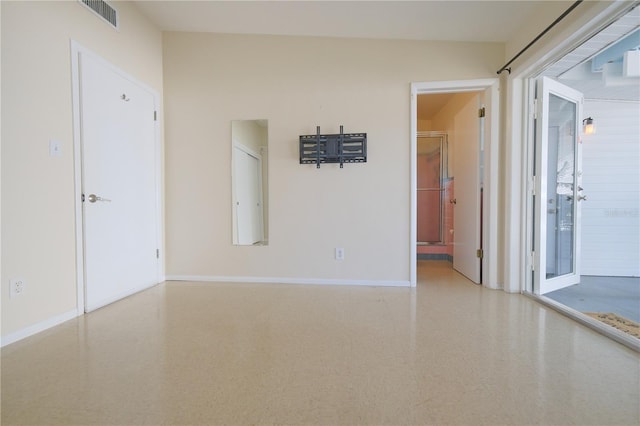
[
  {"x": 466, "y": 210},
  {"x": 558, "y": 191}
]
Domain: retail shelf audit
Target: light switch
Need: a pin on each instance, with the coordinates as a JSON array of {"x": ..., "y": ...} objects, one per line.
[{"x": 55, "y": 148}]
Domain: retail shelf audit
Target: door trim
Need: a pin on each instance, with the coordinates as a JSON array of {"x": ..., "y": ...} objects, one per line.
[
  {"x": 76, "y": 50},
  {"x": 491, "y": 156}
]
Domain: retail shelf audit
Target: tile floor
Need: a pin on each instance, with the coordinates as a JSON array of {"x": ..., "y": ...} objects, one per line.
[{"x": 448, "y": 352}]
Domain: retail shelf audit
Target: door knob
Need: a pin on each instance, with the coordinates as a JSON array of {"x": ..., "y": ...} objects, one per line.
[{"x": 93, "y": 198}]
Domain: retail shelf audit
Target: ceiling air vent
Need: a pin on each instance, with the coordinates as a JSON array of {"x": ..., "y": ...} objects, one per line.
[{"x": 102, "y": 9}]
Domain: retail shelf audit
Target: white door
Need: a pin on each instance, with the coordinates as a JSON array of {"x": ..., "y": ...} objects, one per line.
[
  {"x": 558, "y": 191},
  {"x": 466, "y": 172},
  {"x": 248, "y": 194},
  {"x": 119, "y": 184}
]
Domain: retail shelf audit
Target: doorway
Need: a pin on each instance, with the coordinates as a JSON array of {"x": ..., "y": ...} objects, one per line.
[
  {"x": 558, "y": 186},
  {"x": 117, "y": 163},
  {"x": 584, "y": 184},
  {"x": 470, "y": 172}
]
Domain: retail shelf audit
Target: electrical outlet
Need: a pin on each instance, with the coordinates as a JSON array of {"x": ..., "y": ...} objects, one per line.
[
  {"x": 339, "y": 253},
  {"x": 16, "y": 287}
]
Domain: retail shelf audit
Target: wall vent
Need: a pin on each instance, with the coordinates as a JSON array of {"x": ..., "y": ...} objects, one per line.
[{"x": 103, "y": 10}]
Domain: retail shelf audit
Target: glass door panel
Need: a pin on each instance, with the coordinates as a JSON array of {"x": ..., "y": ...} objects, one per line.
[
  {"x": 431, "y": 174},
  {"x": 557, "y": 187},
  {"x": 561, "y": 174}
]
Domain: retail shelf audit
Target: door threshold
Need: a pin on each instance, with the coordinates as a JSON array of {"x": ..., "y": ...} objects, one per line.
[{"x": 598, "y": 326}]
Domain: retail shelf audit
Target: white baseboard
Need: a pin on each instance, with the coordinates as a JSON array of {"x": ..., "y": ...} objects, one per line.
[
  {"x": 37, "y": 328},
  {"x": 276, "y": 280}
]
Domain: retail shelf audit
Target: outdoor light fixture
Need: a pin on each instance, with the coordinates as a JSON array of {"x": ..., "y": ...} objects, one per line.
[{"x": 588, "y": 127}]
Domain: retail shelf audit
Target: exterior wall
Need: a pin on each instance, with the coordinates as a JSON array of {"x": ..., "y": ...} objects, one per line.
[
  {"x": 364, "y": 85},
  {"x": 611, "y": 181},
  {"x": 38, "y": 223}
]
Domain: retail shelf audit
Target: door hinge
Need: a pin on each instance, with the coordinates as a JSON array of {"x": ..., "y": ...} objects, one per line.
[
  {"x": 535, "y": 109},
  {"x": 479, "y": 253},
  {"x": 155, "y": 115},
  {"x": 533, "y": 261},
  {"x": 481, "y": 112},
  {"x": 157, "y": 253}
]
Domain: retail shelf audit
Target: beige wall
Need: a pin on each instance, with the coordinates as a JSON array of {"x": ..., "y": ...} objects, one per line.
[
  {"x": 424, "y": 125},
  {"x": 445, "y": 121},
  {"x": 38, "y": 223},
  {"x": 298, "y": 83}
]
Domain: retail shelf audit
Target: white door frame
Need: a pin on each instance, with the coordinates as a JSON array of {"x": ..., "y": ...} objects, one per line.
[
  {"x": 490, "y": 217},
  {"x": 76, "y": 51}
]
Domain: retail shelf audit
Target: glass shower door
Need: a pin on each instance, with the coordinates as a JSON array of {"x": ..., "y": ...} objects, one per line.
[{"x": 431, "y": 174}]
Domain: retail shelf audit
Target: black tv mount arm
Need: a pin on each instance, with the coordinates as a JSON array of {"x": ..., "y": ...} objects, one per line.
[{"x": 341, "y": 148}]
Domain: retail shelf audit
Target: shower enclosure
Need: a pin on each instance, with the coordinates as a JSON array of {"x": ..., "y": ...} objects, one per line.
[{"x": 432, "y": 176}]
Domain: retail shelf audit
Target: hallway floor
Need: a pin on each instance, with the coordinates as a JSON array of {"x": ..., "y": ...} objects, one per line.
[{"x": 448, "y": 352}]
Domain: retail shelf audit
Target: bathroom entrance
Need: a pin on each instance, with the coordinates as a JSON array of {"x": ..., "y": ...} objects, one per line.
[
  {"x": 458, "y": 214},
  {"x": 449, "y": 191}
]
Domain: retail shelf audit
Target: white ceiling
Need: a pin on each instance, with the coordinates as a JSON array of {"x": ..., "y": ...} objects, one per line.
[{"x": 482, "y": 21}]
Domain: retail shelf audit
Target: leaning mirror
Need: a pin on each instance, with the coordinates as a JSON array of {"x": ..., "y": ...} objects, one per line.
[{"x": 249, "y": 183}]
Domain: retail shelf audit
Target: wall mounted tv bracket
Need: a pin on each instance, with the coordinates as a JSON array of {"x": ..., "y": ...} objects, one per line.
[{"x": 343, "y": 148}]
